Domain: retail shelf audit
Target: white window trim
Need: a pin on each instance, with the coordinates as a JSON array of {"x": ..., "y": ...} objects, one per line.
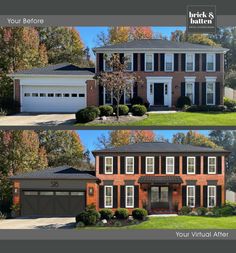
[
  {"x": 191, "y": 157},
  {"x": 172, "y": 157},
  {"x": 153, "y": 169},
  {"x": 208, "y": 190},
  {"x": 214, "y": 62},
  {"x": 132, "y": 61},
  {"x": 194, "y": 195},
  {"x": 126, "y": 158},
  {"x": 172, "y": 57},
  {"x": 146, "y": 70},
  {"x": 193, "y": 70},
  {"x": 208, "y": 163},
  {"x": 214, "y": 92},
  {"x": 105, "y": 187},
  {"x": 193, "y": 90},
  {"x": 108, "y": 55},
  {"x": 126, "y": 197},
  {"x": 110, "y": 157}
]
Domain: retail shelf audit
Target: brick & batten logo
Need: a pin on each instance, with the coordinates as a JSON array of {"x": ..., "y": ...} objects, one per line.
[{"x": 201, "y": 19}]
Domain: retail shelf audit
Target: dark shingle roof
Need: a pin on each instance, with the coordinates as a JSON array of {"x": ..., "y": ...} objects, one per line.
[
  {"x": 62, "y": 172},
  {"x": 57, "y": 69},
  {"x": 159, "y": 44},
  {"x": 159, "y": 147},
  {"x": 160, "y": 180}
]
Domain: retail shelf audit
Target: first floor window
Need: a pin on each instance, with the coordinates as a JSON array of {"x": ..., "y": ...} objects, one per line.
[
  {"x": 170, "y": 165},
  {"x": 191, "y": 165},
  {"x": 108, "y": 198},
  {"x": 168, "y": 62},
  {"x": 108, "y": 165},
  {"x": 129, "y": 165},
  {"x": 128, "y": 94},
  {"x": 108, "y": 96},
  {"x": 149, "y": 62},
  {"x": 189, "y": 91},
  {"x": 210, "y": 93},
  {"x": 129, "y": 193},
  {"x": 211, "y": 165},
  {"x": 211, "y": 196},
  {"x": 210, "y": 62},
  {"x": 191, "y": 196},
  {"x": 149, "y": 165}
]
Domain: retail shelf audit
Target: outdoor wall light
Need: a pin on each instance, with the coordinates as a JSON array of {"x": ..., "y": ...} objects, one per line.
[
  {"x": 91, "y": 191},
  {"x": 16, "y": 191}
]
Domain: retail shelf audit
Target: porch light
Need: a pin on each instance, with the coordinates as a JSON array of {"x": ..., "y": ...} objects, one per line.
[
  {"x": 91, "y": 191},
  {"x": 16, "y": 191}
]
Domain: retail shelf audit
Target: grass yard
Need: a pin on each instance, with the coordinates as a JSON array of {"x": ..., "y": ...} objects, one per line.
[{"x": 181, "y": 222}]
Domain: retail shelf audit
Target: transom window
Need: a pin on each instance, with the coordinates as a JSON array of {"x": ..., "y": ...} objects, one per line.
[
  {"x": 168, "y": 62},
  {"x": 190, "y": 62},
  {"x": 191, "y": 165},
  {"x": 189, "y": 91},
  {"x": 170, "y": 165},
  {"x": 129, "y": 62},
  {"x": 150, "y": 165},
  {"x": 211, "y": 165},
  {"x": 211, "y": 195},
  {"x": 108, "y": 165},
  {"x": 210, "y": 62},
  {"x": 210, "y": 93},
  {"x": 108, "y": 196},
  {"x": 129, "y": 165},
  {"x": 107, "y": 66},
  {"x": 129, "y": 194},
  {"x": 149, "y": 62},
  {"x": 191, "y": 195}
]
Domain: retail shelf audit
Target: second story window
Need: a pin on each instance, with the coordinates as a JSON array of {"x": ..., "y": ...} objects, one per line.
[
  {"x": 210, "y": 62},
  {"x": 190, "y": 62},
  {"x": 109, "y": 165},
  {"x": 191, "y": 165},
  {"x": 107, "y": 66},
  {"x": 148, "y": 62},
  {"x": 149, "y": 165},
  {"x": 211, "y": 165},
  {"x": 129, "y": 62},
  {"x": 170, "y": 165},
  {"x": 129, "y": 165},
  {"x": 169, "y": 59}
]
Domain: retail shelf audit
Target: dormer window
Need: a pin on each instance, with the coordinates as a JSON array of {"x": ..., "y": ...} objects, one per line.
[
  {"x": 169, "y": 59},
  {"x": 190, "y": 62},
  {"x": 210, "y": 62},
  {"x": 149, "y": 62}
]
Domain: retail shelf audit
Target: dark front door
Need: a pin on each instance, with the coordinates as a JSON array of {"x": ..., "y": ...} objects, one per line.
[
  {"x": 158, "y": 93},
  {"x": 160, "y": 197}
]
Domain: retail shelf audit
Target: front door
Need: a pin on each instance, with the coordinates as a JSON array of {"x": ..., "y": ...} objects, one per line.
[
  {"x": 160, "y": 197},
  {"x": 159, "y": 94}
]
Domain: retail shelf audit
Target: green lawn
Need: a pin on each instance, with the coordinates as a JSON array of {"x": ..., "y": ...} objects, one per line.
[
  {"x": 181, "y": 119},
  {"x": 181, "y": 222}
]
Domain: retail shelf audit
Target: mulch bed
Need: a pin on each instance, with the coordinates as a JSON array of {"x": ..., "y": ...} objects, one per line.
[{"x": 122, "y": 119}]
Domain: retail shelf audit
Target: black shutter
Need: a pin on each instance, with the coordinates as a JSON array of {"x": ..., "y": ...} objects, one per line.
[
  {"x": 176, "y": 165},
  {"x": 156, "y": 171},
  {"x": 198, "y": 164},
  {"x": 136, "y": 196},
  {"x": 122, "y": 165},
  {"x": 196, "y": 91},
  {"x": 197, "y": 195},
  {"x": 184, "y": 168},
  {"x": 155, "y": 62},
  {"x": 162, "y": 67},
  {"x": 176, "y": 62},
  {"x": 115, "y": 165},
  {"x": 101, "y": 91},
  {"x": 217, "y": 94},
  {"x": 218, "y": 195},
  {"x": 121, "y": 58},
  {"x": 203, "y": 93},
  {"x": 205, "y": 165},
  {"x": 100, "y": 62},
  {"x": 163, "y": 165},
  {"x": 219, "y": 165},
  {"x": 136, "y": 167},
  {"x": 182, "y": 89},
  {"x": 197, "y": 58},
  {"x": 122, "y": 100},
  {"x": 135, "y": 90},
  {"x": 115, "y": 193},
  {"x": 101, "y": 196},
  {"x": 101, "y": 165},
  {"x": 122, "y": 196},
  {"x": 203, "y": 62},
  {"x": 143, "y": 165},
  {"x": 184, "y": 195},
  {"x": 135, "y": 64},
  {"x": 183, "y": 60},
  {"x": 217, "y": 62},
  {"x": 142, "y": 61},
  {"x": 205, "y": 196}
]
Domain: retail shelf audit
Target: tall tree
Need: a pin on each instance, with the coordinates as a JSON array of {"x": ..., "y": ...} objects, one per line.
[
  {"x": 141, "y": 32},
  {"x": 143, "y": 136}
]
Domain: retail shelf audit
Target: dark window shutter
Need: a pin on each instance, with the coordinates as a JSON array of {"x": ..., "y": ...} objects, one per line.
[
  {"x": 162, "y": 67},
  {"x": 176, "y": 165},
  {"x": 217, "y": 62},
  {"x": 115, "y": 165},
  {"x": 101, "y": 196},
  {"x": 205, "y": 196},
  {"x": 136, "y": 196},
  {"x": 198, "y": 165},
  {"x": 122, "y": 100},
  {"x": 142, "y": 63},
  {"x": 196, "y": 91},
  {"x": 197, "y": 58},
  {"x": 101, "y": 91},
  {"x": 184, "y": 168},
  {"x": 182, "y": 89},
  {"x": 135, "y": 90},
  {"x": 184, "y": 195},
  {"x": 100, "y": 62},
  {"x": 197, "y": 195},
  {"x": 219, "y": 165},
  {"x": 217, "y": 94},
  {"x": 143, "y": 165},
  {"x": 101, "y": 165},
  {"x": 204, "y": 93},
  {"x": 176, "y": 62},
  {"x": 163, "y": 165},
  {"x": 205, "y": 165},
  {"x": 135, "y": 63},
  {"x": 203, "y": 62},
  {"x": 218, "y": 195},
  {"x": 156, "y": 171},
  {"x": 122, "y": 165},
  {"x": 122, "y": 196},
  {"x": 115, "y": 200},
  {"x": 122, "y": 58},
  {"x": 136, "y": 167},
  {"x": 155, "y": 62},
  {"x": 183, "y": 60}
]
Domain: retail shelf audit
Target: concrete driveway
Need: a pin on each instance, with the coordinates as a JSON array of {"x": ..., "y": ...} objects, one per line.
[
  {"x": 29, "y": 119},
  {"x": 38, "y": 223}
]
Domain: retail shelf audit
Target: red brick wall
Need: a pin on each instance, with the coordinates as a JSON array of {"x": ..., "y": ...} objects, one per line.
[
  {"x": 16, "y": 197},
  {"x": 92, "y": 93},
  {"x": 92, "y": 198}
]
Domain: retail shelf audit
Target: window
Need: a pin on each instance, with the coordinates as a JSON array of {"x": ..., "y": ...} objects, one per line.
[
  {"x": 108, "y": 97},
  {"x": 42, "y": 95},
  {"x": 191, "y": 165},
  {"x": 168, "y": 62},
  {"x": 35, "y": 94},
  {"x": 27, "y": 94},
  {"x": 58, "y": 95},
  {"x": 74, "y": 95},
  {"x": 190, "y": 62},
  {"x": 166, "y": 89},
  {"x": 30, "y": 193},
  {"x": 210, "y": 62},
  {"x": 108, "y": 198},
  {"x": 189, "y": 91},
  {"x": 50, "y": 94},
  {"x": 109, "y": 165},
  {"x": 128, "y": 94},
  {"x": 66, "y": 95},
  {"x": 150, "y": 165},
  {"x": 191, "y": 196},
  {"x": 211, "y": 190},
  {"x": 77, "y": 193},
  {"x": 129, "y": 62},
  {"x": 62, "y": 193},
  {"x": 46, "y": 193},
  {"x": 129, "y": 165},
  {"x": 210, "y": 93},
  {"x": 148, "y": 62},
  {"x": 211, "y": 165},
  {"x": 129, "y": 196},
  {"x": 151, "y": 88},
  {"x": 107, "y": 66},
  {"x": 81, "y": 95},
  {"x": 170, "y": 165}
]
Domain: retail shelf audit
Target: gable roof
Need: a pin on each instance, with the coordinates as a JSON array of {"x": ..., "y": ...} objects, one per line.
[{"x": 159, "y": 44}]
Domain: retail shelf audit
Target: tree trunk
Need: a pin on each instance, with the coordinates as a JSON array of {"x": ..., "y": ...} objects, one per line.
[{"x": 117, "y": 110}]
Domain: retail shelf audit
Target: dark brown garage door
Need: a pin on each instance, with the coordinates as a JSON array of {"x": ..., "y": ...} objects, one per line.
[{"x": 52, "y": 203}]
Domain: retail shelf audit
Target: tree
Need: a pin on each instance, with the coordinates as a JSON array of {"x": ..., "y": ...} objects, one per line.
[
  {"x": 140, "y": 32},
  {"x": 119, "y": 138},
  {"x": 143, "y": 136},
  {"x": 230, "y": 78},
  {"x": 178, "y": 36}
]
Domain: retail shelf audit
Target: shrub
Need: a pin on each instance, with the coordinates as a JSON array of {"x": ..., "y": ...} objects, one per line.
[
  {"x": 206, "y": 108},
  {"x": 209, "y": 214},
  {"x": 121, "y": 213},
  {"x": 223, "y": 211},
  {"x": 139, "y": 110},
  {"x": 106, "y": 213},
  {"x": 89, "y": 217},
  {"x": 123, "y": 109},
  {"x": 201, "y": 211},
  {"x": 185, "y": 210},
  {"x": 147, "y": 104},
  {"x": 80, "y": 224},
  {"x": 136, "y": 101},
  {"x": 229, "y": 103},
  {"x": 216, "y": 211},
  {"x": 139, "y": 213},
  {"x": 9, "y": 104},
  {"x": 182, "y": 101},
  {"x": 100, "y": 224},
  {"x": 193, "y": 213},
  {"x": 106, "y": 110},
  {"x": 117, "y": 224},
  {"x": 87, "y": 114}
]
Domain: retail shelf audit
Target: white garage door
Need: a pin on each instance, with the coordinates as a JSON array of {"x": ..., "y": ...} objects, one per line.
[{"x": 53, "y": 99}]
